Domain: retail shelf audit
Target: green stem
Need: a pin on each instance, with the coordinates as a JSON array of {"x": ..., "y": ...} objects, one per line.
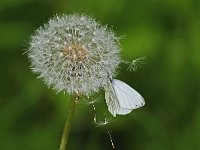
[{"x": 65, "y": 135}]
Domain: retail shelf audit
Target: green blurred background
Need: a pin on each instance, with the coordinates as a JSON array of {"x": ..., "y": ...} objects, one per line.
[{"x": 166, "y": 32}]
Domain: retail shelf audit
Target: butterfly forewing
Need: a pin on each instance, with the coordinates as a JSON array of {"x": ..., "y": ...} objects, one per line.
[{"x": 127, "y": 97}]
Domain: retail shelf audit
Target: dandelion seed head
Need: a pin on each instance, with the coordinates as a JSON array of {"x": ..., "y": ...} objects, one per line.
[{"x": 74, "y": 53}]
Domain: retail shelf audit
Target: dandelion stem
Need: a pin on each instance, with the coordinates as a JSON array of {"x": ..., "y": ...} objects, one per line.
[{"x": 67, "y": 127}]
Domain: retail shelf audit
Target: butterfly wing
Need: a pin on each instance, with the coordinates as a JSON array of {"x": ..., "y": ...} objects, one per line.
[
  {"x": 121, "y": 98},
  {"x": 111, "y": 100},
  {"x": 128, "y": 98},
  {"x": 123, "y": 111}
]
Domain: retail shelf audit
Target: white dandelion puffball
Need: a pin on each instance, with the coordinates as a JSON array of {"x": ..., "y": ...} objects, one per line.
[{"x": 74, "y": 53}]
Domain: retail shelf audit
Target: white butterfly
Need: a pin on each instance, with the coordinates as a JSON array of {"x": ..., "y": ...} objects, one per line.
[{"x": 121, "y": 98}]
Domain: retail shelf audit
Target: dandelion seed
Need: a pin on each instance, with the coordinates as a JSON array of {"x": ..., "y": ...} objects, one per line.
[
  {"x": 103, "y": 123},
  {"x": 92, "y": 103},
  {"x": 135, "y": 64}
]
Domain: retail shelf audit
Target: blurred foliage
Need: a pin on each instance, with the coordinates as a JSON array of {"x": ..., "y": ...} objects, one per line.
[{"x": 166, "y": 32}]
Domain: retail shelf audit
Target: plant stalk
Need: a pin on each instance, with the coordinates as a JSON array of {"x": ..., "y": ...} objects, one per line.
[{"x": 67, "y": 127}]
